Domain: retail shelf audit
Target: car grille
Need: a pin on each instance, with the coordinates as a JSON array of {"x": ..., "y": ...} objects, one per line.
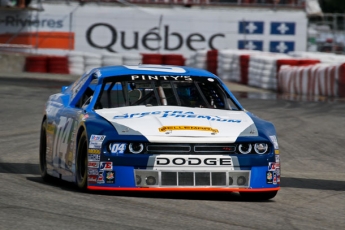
[
  {"x": 191, "y": 148},
  {"x": 236, "y": 178}
]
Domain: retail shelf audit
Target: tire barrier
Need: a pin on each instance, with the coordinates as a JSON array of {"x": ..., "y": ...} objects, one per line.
[
  {"x": 58, "y": 65},
  {"x": 263, "y": 69},
  {"x": 47, "y": 64},
  {"x": 299, "y": 73},
  {"x": 132, "y": 59},
  {"x": 110, "y": 59},
  {"x": 36, "y": 64},
  {"x": 91, "y": 61},
  {"x": 212, "y": 61},
  {"x": 76, "y": 63},
  {"x": 229, "y": 65},
  {"x": 199, "y": 59},
  {"x": 256, "y": 68},
  {"x": 322, "y": 57},
  {"x": 155, "y": 59},
  {"x": 173, "y": 59},
  {"x": 244, "y": 68},
  {"x": 314, "y": 80}
]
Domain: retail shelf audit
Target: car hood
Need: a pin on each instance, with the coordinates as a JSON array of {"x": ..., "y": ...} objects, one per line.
[{"x": 180, "y": 124}]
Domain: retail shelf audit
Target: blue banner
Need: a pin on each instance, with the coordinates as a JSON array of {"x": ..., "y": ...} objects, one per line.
[
  {"x": 250, "y": 27},
  {"x": 250, "y": 45},
  {"x": 283, "y": 28},
  {"x": 282, "y": 46}
]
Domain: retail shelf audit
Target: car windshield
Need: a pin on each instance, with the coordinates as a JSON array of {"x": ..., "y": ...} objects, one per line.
[{"x": 185, "y": 91}]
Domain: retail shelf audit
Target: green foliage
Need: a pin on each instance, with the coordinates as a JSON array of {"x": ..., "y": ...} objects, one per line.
[{"x": 332, "y": 6}]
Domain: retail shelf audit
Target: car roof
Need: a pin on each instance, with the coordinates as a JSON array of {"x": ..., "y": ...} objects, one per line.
[{"x": 111, "y": 71}]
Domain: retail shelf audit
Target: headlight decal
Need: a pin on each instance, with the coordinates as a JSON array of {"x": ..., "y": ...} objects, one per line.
[
  {"x": 250, "y": 131},
  {"x": 274, "y": 141}
]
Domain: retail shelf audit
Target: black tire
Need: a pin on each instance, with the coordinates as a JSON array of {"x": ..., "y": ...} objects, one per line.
[
  {"x": 258, "y": 195},
  {"x": 81, "y": 164},
  {"x": 43, "y": 153}
]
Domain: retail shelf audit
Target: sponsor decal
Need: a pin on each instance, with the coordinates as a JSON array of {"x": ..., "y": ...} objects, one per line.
[
  {"x": 97, "y": 138},
  {"x": 100, "y": 179},
  {"x": 92, "y": 172},
  {"x": 94, "y": 151},
  {"x": 93, "y": 164},
  {"x": 95, "y": 145},
  {"x": 96, "y": 141},
  {"x": 94, "y": 157},
  {"x": 117, "y": 148},
  {"x": 193, "y": 161},
  {"x": 277, "y": 159},
  {"x": 176, "y": 114},
  {"x": 193, "y": 128},
  {"x": 275, "y": 142},
  {"x": 107, "y": 166},
  {"x": 272, "y": 166},
  {"x": 274, "y": 178},
  {"x": 110, "y": 177},
  {"x": 278, "y": 175},
  {"x": 269, "y": 177},
  {"x": 92, "y": 178},
  {"x": 164, "y": 77}
]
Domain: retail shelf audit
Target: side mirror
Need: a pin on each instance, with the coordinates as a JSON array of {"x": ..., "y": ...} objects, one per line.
[{"x": 63, "y": 88}]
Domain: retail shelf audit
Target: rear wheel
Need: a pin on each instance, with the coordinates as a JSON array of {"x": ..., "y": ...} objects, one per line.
[
  {"x": 81, "y": 166},
  {"x": 258, "y": 195},
  {"x": 43, "y": 153}
]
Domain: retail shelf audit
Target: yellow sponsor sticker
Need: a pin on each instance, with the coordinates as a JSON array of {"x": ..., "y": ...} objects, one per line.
[
  {"x": 94, "y": 151},
  {"x": 193, "y": 128},
  {"x": 50, "y": 128},
  {"x": 276, "y": 151}
]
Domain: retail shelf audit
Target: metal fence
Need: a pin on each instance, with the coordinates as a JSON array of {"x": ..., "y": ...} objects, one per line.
[
  {"x": 254, "y": 3},
  {"x": 327, "y": 33}
]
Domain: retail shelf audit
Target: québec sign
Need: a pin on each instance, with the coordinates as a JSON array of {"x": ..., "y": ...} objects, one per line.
[
  {"x": 152, "y": 40},
  {"x": 167, "y": 30}
]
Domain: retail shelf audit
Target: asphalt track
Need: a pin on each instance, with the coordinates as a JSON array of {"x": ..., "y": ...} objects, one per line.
[{"x": 312, "y": 196}]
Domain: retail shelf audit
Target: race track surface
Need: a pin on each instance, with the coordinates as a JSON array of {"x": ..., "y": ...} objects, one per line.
[{"x": 312, "y": 196}]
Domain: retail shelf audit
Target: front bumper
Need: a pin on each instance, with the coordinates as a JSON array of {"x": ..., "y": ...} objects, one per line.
[
  {"x": 100, "y": 188},
  {"x": 128, "y": 178}
]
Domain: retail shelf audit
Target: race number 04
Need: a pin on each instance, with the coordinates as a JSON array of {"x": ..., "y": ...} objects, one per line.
[
  {"x": 61, "y": 137},
  {"x": 118, "y": 148}
]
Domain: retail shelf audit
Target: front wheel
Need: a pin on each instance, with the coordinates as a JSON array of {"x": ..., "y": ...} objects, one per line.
[
  {"x": 258, "y": 195},
  {"x": 81, "y": 166},
  {"x": 43, "y": 153}
]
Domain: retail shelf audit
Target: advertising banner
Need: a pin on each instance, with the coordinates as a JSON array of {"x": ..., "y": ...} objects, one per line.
[{"x": 97, "y": 28}]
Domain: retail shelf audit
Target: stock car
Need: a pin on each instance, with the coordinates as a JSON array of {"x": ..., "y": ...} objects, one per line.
[{"x": 157, "y": 128}]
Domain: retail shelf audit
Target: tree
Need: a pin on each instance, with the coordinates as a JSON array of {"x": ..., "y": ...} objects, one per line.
[{"x": 332, "y": 6}]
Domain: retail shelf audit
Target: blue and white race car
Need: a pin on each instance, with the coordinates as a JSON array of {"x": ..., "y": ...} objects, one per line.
[{"x": 157, "y": 128}]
